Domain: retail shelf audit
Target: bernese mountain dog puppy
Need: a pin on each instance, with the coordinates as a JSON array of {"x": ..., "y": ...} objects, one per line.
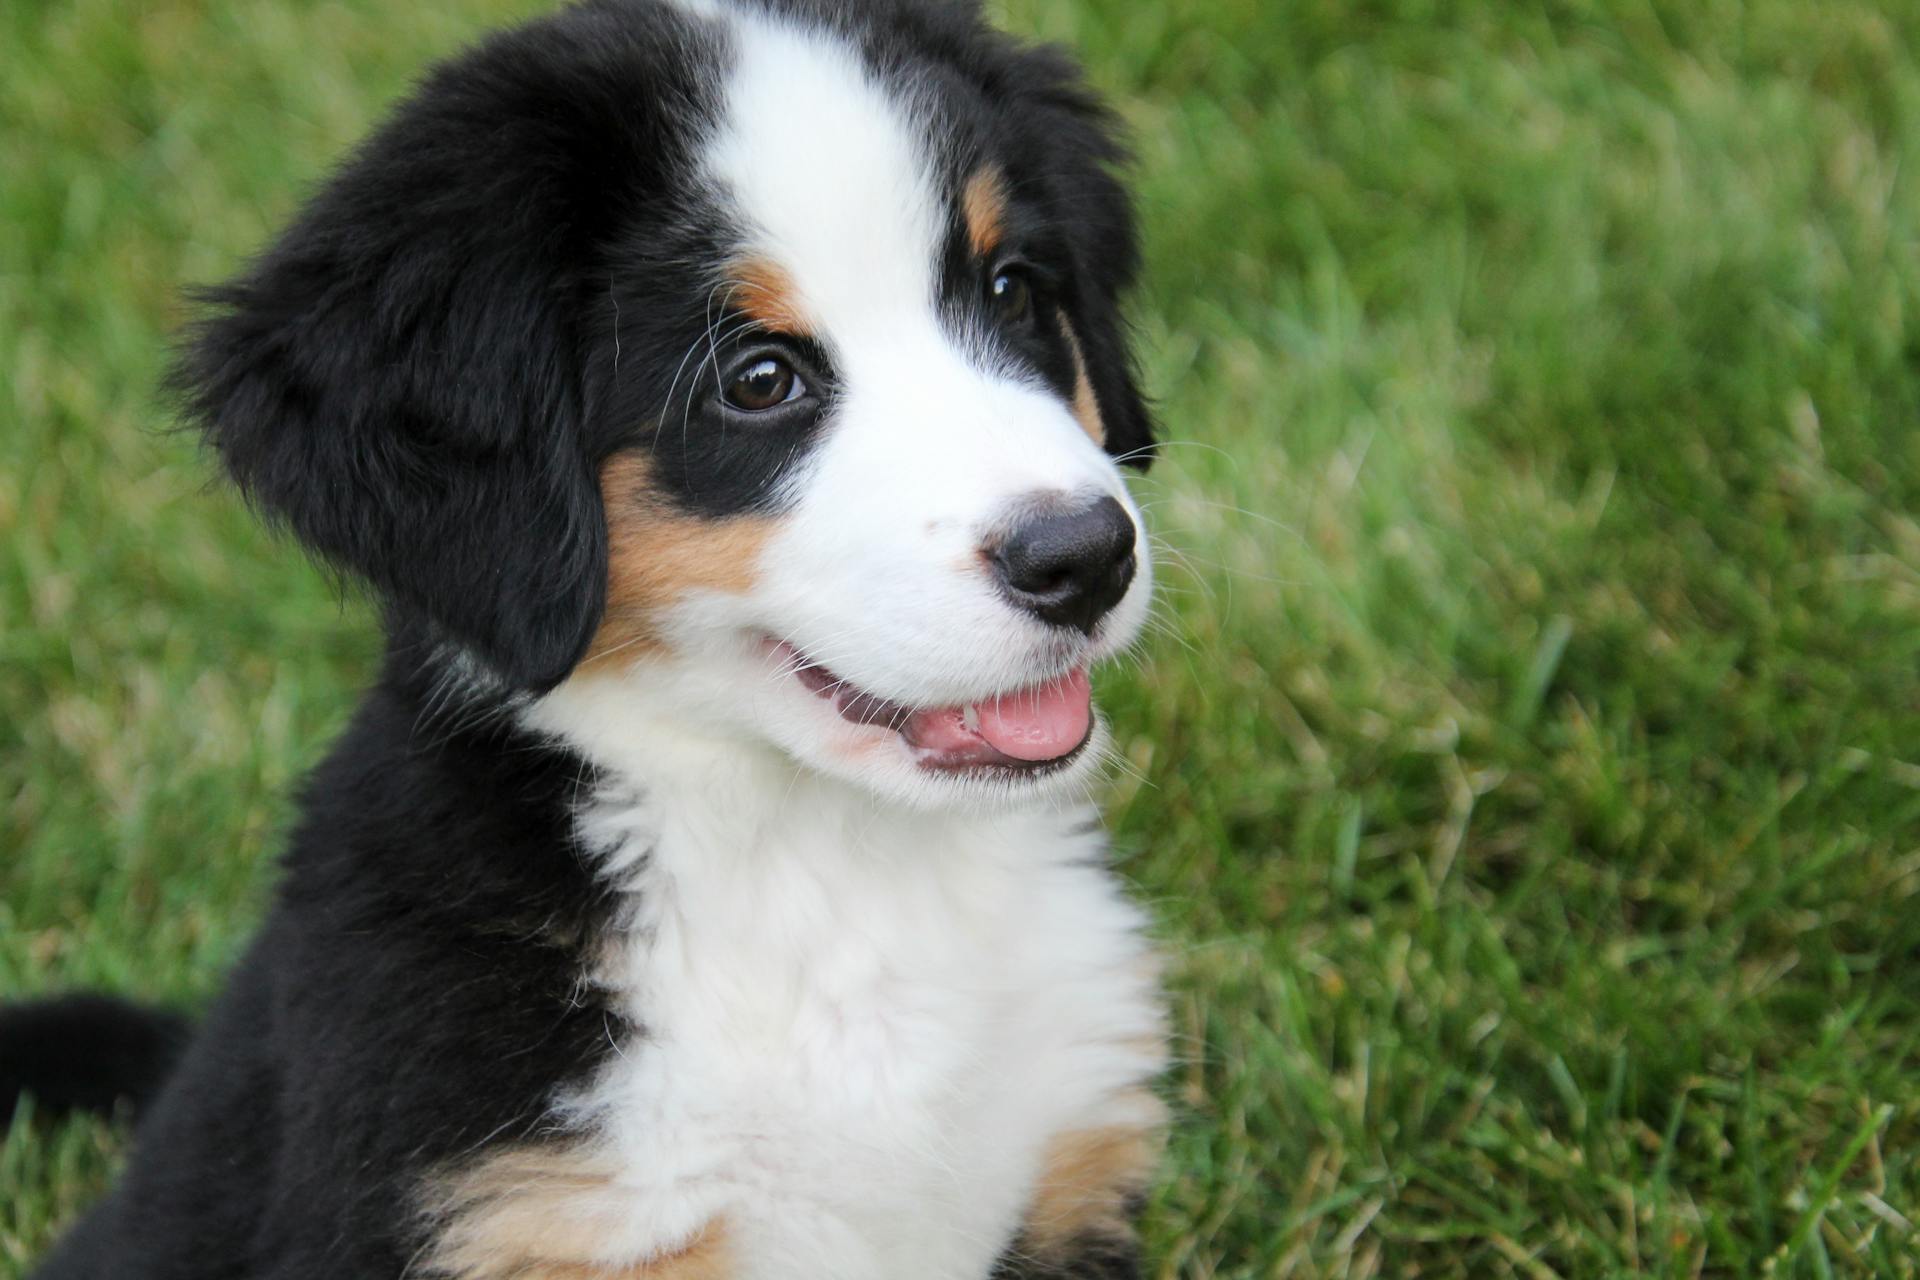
[{"x": 726, "y": 402}]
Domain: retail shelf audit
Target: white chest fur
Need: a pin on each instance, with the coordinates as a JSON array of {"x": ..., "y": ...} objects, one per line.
[{"x": 857, "y": 1030}]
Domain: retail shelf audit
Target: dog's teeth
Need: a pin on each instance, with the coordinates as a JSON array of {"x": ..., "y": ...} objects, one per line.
[{"x": 970, "y": 716}]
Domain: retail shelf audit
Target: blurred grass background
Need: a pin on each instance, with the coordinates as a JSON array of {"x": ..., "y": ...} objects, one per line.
[{"x": 1528, "y": 775}]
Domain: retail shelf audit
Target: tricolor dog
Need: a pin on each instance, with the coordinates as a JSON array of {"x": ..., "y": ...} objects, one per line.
[{"x": 726, "y": 401}]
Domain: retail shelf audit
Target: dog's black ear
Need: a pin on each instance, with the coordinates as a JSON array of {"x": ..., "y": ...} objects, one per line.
[
  {"x": 1081, "y": 158},
  {"x": 398, "y": 379}
]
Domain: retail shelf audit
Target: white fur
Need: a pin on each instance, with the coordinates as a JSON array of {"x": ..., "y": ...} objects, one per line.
[
  {"x": 859, "y": 1026},
  {"x": 868, "y": 995}
]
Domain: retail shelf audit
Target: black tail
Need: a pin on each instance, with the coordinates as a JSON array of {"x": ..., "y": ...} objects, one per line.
[{"x": 87, "y": 1053}]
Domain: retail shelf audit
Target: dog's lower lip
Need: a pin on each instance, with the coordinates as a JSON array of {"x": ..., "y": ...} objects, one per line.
[{"x": 955, "y": 739}]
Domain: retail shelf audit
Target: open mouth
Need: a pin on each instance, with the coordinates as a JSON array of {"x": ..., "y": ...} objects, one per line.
[{"x": 1031, "y": 731}]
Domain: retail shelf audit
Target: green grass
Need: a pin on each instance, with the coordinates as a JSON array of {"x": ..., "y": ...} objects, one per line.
[{"x": 1527, "y": 776}]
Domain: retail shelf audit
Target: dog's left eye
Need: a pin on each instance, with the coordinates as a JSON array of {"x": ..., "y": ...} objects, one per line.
[
  {"x": 764, "y": 384},
  {"x": 1011, "y": 293}
]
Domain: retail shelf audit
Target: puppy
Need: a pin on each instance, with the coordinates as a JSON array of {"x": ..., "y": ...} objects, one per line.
[{"x": 724, "y": 400}]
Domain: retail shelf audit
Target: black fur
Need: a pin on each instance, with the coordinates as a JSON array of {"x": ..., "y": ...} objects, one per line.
[
  {"x": 414, "y": 994},
  {"x": 1061, "y": 150},
  {"x": 1095, "y": 1258},
  {"x": 421, "y": 380},
  {"x": 400, "y": 378},
  {"x": 86, "y": 1052}
]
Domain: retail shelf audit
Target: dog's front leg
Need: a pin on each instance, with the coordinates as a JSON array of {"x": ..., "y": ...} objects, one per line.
[
  {"x": 1080, "y": 1224},
  {"x": 1114, "y": 1257}
]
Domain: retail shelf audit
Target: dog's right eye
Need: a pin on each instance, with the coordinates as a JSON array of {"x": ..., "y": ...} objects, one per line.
[{"x": 764, "y": 384}]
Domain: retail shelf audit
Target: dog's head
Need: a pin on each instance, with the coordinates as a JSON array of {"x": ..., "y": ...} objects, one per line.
[{"x": 754, "y": 368}]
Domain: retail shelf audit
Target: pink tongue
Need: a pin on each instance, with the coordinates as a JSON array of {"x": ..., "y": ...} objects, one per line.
[{"x": 1043, "y": 723}]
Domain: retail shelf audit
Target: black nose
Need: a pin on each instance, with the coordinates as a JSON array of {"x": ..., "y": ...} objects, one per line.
[{"x": 1069, "y": 567}]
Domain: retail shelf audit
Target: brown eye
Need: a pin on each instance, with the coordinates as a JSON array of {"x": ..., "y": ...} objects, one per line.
[
  {"x": 1011, "y": 295},
  {"x": 764, "y": 384}
]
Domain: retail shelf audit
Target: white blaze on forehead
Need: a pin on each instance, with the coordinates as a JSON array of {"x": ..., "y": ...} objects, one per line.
[{"x": 829, "y": 175}]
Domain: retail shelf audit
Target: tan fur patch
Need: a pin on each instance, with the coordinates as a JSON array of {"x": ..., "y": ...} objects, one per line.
[
  {"x": 765, "y": 293},
  {"x": 983, "y": 205},
  {"x": 655, "y": 555},
  {"x": 1086, "y": 409},
  {"x": 1090, "y": 1183},
  {"x": 546, "y": 1214}
]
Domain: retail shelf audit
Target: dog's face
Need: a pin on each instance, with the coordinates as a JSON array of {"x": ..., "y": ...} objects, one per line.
[{"x": 751, "y": 369}]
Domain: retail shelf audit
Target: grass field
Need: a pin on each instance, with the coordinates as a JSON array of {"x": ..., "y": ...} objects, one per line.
[{"x": 1528, "y": 776}]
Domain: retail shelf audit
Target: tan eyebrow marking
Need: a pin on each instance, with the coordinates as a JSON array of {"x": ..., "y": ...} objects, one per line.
[
  {"x": 983, "y": 207},
  {"x": 765, "y": 292}
]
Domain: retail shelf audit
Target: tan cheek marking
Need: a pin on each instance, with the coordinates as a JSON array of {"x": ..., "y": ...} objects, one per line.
[
  {"x": 656, "y": 555},
  {"x": 983, "y": 205},
  {"x": 763, "y": 291},
  {"x": 546, "y": 1214},
  {"x": 1086, "y": 410},
  {"x": 1089, "y": 1184}
]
